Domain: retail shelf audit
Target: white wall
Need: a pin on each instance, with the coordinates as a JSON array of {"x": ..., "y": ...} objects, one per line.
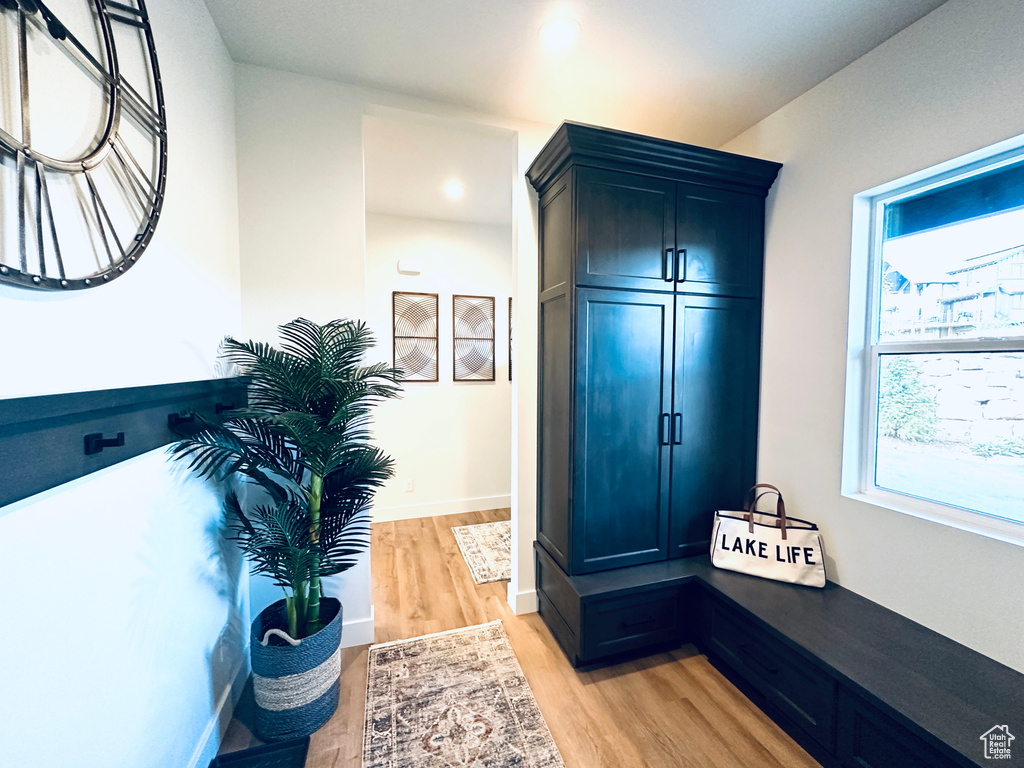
[
  {"x": 124, "y": 612},
  {"x": 453, "y": 439},
  {"x": 126, "y": 621},
  {"x": 948, "y": 85},
  {"x": 300, "y": 197},
  {"x": 301, "y": 214}
]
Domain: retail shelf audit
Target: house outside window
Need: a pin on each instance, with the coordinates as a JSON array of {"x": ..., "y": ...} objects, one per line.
[{"x": 936, "y": 384}]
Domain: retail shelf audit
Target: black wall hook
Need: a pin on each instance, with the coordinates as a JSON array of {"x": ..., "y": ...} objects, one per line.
[
  {"x": 95, "y": 443},
  {"x": 177, "y": 421}
]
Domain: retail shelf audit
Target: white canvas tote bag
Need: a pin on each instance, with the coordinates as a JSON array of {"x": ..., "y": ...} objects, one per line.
[{"x": 772, "y": 546}]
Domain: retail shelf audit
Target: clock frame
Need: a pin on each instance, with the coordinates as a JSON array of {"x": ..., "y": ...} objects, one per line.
[{"x": 114, "y": 198}]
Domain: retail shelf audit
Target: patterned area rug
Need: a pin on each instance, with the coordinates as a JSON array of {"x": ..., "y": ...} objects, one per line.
[
  {"x": 452, "y": 700},
  {"x": 487, "y": 548}
]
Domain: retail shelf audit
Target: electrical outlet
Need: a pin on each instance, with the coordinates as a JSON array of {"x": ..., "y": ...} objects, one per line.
[{"x": 410, "y": 486}]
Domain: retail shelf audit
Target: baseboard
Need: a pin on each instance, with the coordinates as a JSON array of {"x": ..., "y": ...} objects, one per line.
[
  {"x": 453, "y": 507},
  {"x": 223, "y": 711},
  {"x": 522, "y": 602},
  {"x": 357, "y": 632}
]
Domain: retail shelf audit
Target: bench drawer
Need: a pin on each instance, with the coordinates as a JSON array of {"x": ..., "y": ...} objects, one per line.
[
  {"x": 624, "y": 623},
  {"x": 869, "y": 739},
  {"x": 791, "y": 683}
]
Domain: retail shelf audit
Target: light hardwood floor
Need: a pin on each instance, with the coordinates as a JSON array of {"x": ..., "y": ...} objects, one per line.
[{"x": 670, "y": 709}]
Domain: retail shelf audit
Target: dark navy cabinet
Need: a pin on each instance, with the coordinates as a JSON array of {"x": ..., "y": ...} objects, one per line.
[
  {"x": 651, "y": 263},
  {"x": 638, "y": 232},
  {"x": 625, "y": 228},
  {"x": 719, "y": 241},
  {"x": 623, "y": 403},
  {"x": 715, "y": 393}
]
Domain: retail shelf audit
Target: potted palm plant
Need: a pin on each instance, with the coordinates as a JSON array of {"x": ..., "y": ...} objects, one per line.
[{"x": 305, "y": 475}]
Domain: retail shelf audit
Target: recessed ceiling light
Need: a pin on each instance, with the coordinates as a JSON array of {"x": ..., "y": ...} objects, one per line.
[
  {"x": 560, "y": 33},
  {"x": 454, "y": 189}
]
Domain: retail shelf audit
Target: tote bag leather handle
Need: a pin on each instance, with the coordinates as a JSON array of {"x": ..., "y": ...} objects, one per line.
[
  {"x": 750, "y": 506},
  {"x": 749, "y": 496}
]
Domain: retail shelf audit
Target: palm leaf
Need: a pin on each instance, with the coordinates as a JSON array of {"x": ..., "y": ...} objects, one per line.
[{"x": 308, "y": 415}]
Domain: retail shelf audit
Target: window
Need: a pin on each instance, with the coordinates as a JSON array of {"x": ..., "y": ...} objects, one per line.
[{"x": 939, "y": 371}]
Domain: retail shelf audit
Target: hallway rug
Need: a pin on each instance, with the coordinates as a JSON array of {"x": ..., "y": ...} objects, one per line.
[
  {"x": 457, "y": 699},
  {"x": 487, "y": 549}
]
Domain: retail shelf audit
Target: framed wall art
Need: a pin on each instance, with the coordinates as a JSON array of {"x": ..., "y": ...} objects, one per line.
[
  {"x": 473, "y": 338},
  {"x": 415, "y": 335}
]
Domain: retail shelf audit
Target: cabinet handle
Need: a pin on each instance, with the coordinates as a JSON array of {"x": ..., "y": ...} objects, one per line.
[
  {"x": 666, "y": 266},
  {"x": 680, "y": 264},
  {"x": 677, "y": 429},
  {"x": 638, "y": 622},
  {"x": 666, "y": 437}
]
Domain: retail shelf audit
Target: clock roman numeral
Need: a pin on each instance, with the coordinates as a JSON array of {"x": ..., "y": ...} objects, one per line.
[
  {"x": 34, "y": 201},
  {"x": 135, "y": 17},
  {"x": 22, "y": 202},
  {"x": 26, "y": 127},
  {"x": 104, "y": 222},
  {"x": 138, "y": 106},
  {"x": 131, "y": 177},
  {"x": 40, "y": 249},
  {"x": 44, "y": 196},
  {"x": 147, "y": 117}
]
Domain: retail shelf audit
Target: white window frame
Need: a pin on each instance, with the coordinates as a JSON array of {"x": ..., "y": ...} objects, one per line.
[{"x": 864, "y": 350}]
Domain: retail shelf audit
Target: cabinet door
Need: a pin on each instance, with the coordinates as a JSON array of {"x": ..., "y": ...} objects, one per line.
[
  {"x": 715, "y": 413},
  {"x": 623, "y": 398},
  {"x": 625, "y": 230},
  {"x": 720, "y": 237}
]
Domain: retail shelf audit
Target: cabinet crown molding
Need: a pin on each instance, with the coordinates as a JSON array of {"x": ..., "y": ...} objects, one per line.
[{"x": 619, "y": 150}]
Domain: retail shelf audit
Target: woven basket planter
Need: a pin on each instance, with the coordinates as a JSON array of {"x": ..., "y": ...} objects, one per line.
[{"x": 296, "y": 687}]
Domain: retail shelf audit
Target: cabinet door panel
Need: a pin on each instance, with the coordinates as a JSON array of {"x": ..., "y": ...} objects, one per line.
[
  {"x": 623, "y": 383},
  {"x": 555, "y": 434},
  {"x": 625, "y": 228},
  {"x": 556, "y": 234},
  {"x": 719, "y": 235},
  {"x": 715, "y": 394}
]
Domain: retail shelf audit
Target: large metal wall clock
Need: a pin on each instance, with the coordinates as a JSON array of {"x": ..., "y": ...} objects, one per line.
[{"x": 83, "y": 141}]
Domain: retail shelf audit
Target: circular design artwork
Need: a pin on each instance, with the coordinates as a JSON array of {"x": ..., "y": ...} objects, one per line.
[
  {"x": 83, "y": 141},
  {"x": 473, "y": 353},
  {"x": 416, "y": 358},
  {"x": 415, "y": 335}
]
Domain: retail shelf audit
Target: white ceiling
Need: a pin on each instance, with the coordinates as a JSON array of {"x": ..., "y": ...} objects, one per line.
[
  {"x": 408, "y": 161},
  {"x": 700, "y": 71}
]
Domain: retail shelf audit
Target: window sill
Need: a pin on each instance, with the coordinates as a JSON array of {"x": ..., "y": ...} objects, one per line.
[{"x": 989, "y": 526}]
